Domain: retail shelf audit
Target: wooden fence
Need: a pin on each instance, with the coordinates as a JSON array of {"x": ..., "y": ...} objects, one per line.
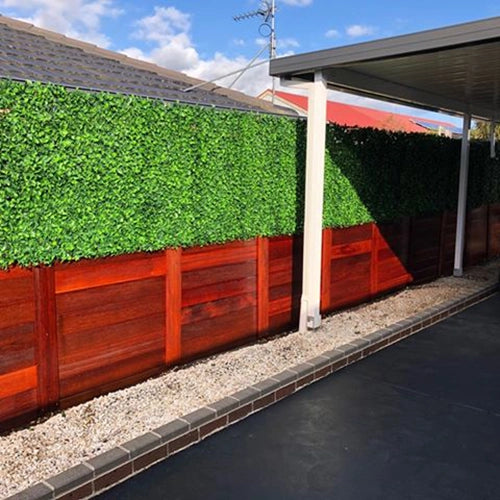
[{"x": 72, "y": 331}]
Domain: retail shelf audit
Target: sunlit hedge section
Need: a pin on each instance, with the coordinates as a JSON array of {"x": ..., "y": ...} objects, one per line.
[{"x": 85, "y": 175}]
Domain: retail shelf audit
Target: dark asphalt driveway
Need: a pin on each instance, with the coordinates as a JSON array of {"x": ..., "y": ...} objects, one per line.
[{"x": 419, "y": 420}]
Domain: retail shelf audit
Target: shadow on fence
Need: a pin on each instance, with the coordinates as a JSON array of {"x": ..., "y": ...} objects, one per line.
[{"x": 72, "y": 331}]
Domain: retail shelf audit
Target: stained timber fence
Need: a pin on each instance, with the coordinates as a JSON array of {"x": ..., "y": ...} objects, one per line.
[{"x": 72, "y": 331}]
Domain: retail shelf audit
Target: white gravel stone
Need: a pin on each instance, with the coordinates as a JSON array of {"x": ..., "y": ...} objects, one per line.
[{"x": 81, "y": 432}]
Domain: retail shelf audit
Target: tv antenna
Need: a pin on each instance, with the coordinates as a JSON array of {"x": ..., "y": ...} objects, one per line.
[
  {"x": 267, "y": 29},
  {"x": 267, "y": 12}
]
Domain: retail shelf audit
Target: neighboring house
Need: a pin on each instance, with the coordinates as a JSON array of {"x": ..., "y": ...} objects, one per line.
[
  {"x": 359, "y": 116},
  {"x": 35, "y": 54}
]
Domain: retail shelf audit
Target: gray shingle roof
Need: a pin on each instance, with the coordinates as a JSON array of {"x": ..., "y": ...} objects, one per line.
[{"x": 31, "y": 53}]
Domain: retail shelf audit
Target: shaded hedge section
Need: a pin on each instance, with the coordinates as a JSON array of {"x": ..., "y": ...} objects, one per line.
[{"x": 87, "y": 175}]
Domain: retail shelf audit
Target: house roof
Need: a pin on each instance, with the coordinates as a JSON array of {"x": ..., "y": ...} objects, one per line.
[
  {"x": 35, "y": 54},
  {"x": 360, "y": 116},
  {"x": 453, "y": 69}
]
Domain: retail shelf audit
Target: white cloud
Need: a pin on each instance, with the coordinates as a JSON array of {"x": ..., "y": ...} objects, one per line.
[
  {"x": 75, "y": 18},
  {"x": 332, "y": 34},
  {"x": 285, "y": 43},
  {"x": 297, "y": 3},
  {"x": 239, "y": 42},
  {"x": 252, "y": 82},
  {"x": 167, "y": 31},
  {"x": 356, "y": 30},
  {"x": 165, "y": 23},
  {"x": 281, "y": 43}
]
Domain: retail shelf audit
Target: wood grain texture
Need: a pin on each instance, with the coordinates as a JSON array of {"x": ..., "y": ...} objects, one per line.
[
  {"x": 425, "y": 242},
  {"x": 47, "y": 337},
  {"x": 350, "y": 266},
  {"x": 476, "y": 236},
  {"x": 219, "y": 297},
  {"x": 447, "y": 250},
  {"x": 15, "y": 272},
  {"x": 17, "y": 301},
  {"x": 18, "y": 348},
  {"x": 110, "y": 332},
  {"x": 173, "y": 306},
  {"x": 218, "y": 255},
  {"x": 392, "y": 251},
  {"x": 262, "y": 286},
  {"x": 15, "y": 409},
  {"x": 494, "y": 230},
  {"x": 326, "y": 258},
  {"x": 350, "y": 280},
  {"x": 18, "y": 381},
  {"x": 73, "y": 331},
  {"x": 374, "y": 260},
  {"x": 90, "y": 273},
  {"x": 285, "y": 282}
]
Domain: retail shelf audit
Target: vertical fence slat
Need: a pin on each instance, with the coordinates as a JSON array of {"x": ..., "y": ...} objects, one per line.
[
  {"x": 374, "y": 260},
  {"x": 326, "y": 269},
  {"x": 262, "y": 285},
  {"x": 173, "y": 306},
  {"x": 442, "y": 243},
  {"x": 46, "y": 334},
  {"x": 487, "y": 222}
]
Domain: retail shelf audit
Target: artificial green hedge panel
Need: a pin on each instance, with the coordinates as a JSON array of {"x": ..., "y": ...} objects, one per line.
[{"x": 86, "y": 175}]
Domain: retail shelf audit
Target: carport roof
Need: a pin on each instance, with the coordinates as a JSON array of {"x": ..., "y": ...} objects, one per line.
[{"x": 455, "y": 69}]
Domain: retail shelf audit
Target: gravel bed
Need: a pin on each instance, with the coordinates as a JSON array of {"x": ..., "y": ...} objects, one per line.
[{"x": 81, "y": 432}]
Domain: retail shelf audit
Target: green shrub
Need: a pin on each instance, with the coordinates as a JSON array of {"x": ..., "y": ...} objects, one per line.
[{"x": 95, "y": 174}]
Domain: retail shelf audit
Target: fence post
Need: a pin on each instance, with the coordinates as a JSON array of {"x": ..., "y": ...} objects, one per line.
[
  {"x": 442, "y": 242},
  {"x": 374, "y": 260},
  {"x": 488, "y": 231},
  {"x": 173, "y": 306},
  {"x": 262, "y": 285},
  {"x": 46, "y": 337},
  {"x": 326, "y": 268}
]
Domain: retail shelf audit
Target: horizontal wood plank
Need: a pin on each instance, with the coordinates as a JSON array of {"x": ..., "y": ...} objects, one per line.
[
  {"x": 90, "y": 273},
  {"x": 110, "y": 373},
  {"x": 208, "y": 310},
  {"x": 15, "y": 272},
  {"x": 17, "y": 347},
  {"x": 218, "y": 291},
  {"x": 216, "y": 333},
  {"x": 348, "y": 235},
  {"x": 19, "y": 404},
  {"x": 284, "y": 304},
  {"x": 218, "y": 255},
  {"x": 19, "y": 381},
  {"x": 111, "y": 304},
  {"x": 351, "y": 249}
]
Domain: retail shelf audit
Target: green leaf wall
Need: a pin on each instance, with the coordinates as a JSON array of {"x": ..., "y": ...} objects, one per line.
[{"x": 87, "y": 175}]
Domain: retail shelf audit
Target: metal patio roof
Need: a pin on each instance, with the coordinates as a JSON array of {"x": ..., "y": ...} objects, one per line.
[{"x": 455, "y": 69}]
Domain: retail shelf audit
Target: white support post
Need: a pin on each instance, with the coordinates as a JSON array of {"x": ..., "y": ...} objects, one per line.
[
  {"x": 462, "y": 198},
  {"x": 492, "y": 139},
  {"x": 313, "y": 220}
]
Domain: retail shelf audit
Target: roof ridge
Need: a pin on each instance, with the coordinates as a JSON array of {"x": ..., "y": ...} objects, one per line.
[{"x": 93, "y": 49}]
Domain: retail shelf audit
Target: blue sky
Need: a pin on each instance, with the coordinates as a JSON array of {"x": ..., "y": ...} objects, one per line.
[{"x": 200, "y": 37}]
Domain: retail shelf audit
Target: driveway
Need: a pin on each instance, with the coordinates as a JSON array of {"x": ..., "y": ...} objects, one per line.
[{"x": 418, "y": 420}]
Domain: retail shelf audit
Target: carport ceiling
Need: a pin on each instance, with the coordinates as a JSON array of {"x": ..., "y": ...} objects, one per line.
[{"x": 454, "y": 69}]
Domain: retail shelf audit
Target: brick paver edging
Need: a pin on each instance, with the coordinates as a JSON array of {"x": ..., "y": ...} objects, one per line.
[{"x": 118, "y": 464}]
